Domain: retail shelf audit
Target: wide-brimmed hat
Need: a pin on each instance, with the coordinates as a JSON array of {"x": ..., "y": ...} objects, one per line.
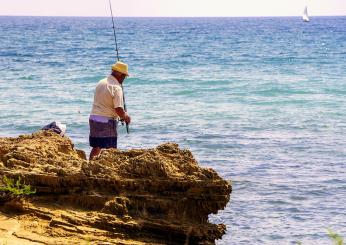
[{"x": 121, "y": 67}]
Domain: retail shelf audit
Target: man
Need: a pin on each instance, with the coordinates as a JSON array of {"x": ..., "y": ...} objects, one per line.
[{"x": 107, "y": 109}]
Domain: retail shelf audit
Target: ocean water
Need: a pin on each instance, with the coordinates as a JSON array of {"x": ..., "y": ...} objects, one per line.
[{"x": 260, "y": 100}]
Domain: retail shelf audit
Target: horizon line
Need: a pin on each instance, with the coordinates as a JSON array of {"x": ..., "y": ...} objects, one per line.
[{"x": 104, "y": 16}]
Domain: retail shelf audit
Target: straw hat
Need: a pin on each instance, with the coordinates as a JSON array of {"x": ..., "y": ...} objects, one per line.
[{"x": 121, "y": 67}]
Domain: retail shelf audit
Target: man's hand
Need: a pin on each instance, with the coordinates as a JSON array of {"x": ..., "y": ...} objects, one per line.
[
  {"x": 123, "y": 115},
  {"x": 127, "y": 118}
]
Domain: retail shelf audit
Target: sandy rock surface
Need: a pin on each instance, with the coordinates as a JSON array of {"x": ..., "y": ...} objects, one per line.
[{"x": 146, "y": 196}]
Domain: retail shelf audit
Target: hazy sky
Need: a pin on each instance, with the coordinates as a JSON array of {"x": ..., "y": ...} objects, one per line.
[{"x": 172, "y": 7}]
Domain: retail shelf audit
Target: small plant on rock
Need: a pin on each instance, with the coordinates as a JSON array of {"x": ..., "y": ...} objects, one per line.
[{"x": 16, "y": 187}]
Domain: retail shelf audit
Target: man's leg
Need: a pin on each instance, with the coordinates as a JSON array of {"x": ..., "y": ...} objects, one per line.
[{"x": 94, "y": 152}]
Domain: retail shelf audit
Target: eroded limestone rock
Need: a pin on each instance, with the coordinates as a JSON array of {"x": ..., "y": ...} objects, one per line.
[{"x": 149, "y": 196}]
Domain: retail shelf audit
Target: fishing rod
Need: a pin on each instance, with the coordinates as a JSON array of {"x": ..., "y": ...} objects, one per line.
[
  {"x": 115, "y": 35},
  {"x": 117, "y": 50}
]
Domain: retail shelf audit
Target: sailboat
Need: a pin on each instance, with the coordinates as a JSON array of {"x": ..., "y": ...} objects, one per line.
[{"x": 305, "y": 15}]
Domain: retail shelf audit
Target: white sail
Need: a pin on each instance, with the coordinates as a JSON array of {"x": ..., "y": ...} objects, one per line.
[{"x": 305, "y": 15}]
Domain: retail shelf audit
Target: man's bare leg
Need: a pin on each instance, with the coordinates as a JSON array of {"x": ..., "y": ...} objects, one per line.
[{"x": 94, "y": 152}]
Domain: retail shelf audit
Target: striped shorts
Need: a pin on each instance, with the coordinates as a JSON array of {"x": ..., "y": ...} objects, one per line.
[{"x": 103, "y": 134}]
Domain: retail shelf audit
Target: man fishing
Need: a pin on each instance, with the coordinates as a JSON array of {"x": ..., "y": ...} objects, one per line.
[{"x": 107, "y": 109}]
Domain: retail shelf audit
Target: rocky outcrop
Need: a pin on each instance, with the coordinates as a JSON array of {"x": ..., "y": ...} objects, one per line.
[{"x": 151, "y": 196}]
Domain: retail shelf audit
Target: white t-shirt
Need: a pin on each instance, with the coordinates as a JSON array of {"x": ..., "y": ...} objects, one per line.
[{"x": 108, "y": 96}]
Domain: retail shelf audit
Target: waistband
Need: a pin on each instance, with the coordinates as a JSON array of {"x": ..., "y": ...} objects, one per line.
[{"x": 102, "y": 119}]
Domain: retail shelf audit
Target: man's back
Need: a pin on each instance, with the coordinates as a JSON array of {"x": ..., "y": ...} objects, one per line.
[{"x": 107, "y": 97}]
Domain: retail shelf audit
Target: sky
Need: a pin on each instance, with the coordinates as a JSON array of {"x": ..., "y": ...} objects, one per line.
[{"x": 174, "y": 8}]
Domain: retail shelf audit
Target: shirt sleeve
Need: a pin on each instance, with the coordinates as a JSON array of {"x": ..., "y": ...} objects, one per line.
[{"x": 118, "y": 97}]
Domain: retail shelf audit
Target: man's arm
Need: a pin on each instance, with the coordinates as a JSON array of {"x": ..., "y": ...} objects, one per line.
[{"x": 123, "y": 114}]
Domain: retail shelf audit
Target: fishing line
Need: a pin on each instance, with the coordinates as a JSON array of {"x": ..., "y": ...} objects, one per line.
[
  {"x": 117, "y": 50},
  {"x": 115, "y": 35}
]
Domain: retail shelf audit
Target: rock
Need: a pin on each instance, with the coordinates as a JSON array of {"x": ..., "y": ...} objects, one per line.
[{"x": 148, "y": 196}]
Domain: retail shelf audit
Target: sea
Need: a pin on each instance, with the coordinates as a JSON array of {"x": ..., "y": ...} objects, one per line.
[{"x": 261, "y": 100}]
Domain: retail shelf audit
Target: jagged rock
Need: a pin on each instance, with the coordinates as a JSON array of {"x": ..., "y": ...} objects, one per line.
[{"x": 150, "y": 196}]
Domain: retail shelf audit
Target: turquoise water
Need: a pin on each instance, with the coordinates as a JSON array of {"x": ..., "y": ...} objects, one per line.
[{"x": 260, "y": 100}]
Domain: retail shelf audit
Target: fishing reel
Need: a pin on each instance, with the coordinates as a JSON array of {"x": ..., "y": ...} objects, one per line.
[{"x": 122, "y": 121}]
